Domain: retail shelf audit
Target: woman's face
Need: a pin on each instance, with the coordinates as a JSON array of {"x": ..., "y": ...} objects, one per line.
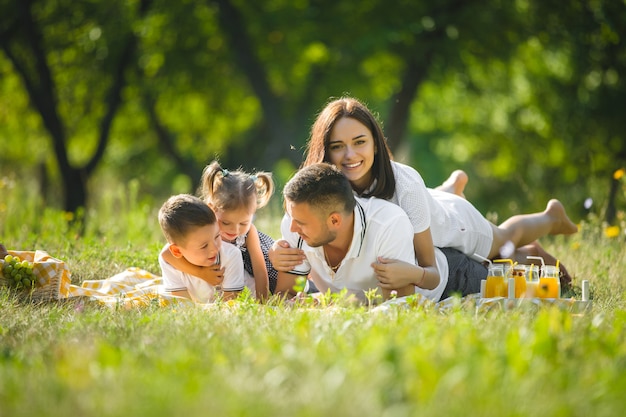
[{"x": 351, "y": 149}]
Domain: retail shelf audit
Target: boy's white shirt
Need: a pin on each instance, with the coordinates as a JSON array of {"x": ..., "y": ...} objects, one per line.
[
  {"x": 199, "y": 290},
  {"x": 381, "y": 229}
]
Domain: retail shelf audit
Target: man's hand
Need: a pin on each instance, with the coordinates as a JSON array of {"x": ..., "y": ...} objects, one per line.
[{"x": 285, "y": 258}]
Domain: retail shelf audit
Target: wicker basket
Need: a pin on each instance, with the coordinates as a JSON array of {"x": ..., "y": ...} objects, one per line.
[{"x": 53, "y": 276}]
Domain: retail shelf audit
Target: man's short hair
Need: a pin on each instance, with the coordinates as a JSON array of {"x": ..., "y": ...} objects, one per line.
[
  {"x": 183, "y": 213},
  {"x": 321, "y": 186}
]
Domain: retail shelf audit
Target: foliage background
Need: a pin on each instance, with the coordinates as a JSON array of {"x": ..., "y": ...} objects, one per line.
[{"x": 527, "y": 96}]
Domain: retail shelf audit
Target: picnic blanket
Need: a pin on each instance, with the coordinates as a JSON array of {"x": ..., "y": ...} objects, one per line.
[{"x": 133, "y": 287}]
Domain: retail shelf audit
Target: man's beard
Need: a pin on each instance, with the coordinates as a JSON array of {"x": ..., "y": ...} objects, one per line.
[{"x": 323, "y": 240}]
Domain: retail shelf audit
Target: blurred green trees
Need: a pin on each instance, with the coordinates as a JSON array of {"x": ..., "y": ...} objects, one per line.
[{"x": 527, "y": 96}]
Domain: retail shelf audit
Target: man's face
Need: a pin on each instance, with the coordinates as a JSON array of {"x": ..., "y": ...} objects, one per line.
[{"x": 311, "y": 225}]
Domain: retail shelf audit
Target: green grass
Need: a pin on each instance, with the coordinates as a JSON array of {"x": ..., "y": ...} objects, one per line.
[{"x": 79, "y": 358}]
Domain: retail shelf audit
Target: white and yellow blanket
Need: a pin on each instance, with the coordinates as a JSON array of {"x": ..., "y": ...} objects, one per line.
[{"x": 133, "y": 287}]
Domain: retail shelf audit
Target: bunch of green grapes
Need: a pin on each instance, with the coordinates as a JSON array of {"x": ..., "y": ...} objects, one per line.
[{"x": 19, "y": 273}]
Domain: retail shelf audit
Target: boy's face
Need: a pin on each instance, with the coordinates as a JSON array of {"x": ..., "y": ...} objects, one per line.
[{"x": 201, "y": 246}]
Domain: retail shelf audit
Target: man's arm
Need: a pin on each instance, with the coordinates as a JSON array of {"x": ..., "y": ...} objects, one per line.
[{"x": 286, "y": 279}]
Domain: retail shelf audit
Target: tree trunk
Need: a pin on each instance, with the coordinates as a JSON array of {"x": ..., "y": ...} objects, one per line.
[
  {"x": 395, "y": 129},
  {"x": 166, "y": 140},
  {"x": 276, "y": 134},
  {"x": 23, "y": 44}
]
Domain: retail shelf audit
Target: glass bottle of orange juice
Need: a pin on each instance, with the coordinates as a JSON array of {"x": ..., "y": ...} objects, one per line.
[
  {"x": 549, "y": 284},
  {"x": 519, "y": 274},
  {"x": 496, "y": 285},
  {"x": 532, "y": 280}
]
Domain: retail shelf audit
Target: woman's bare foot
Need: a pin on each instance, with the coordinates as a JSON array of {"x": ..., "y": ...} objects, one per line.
[
  {"x": 563, "y": 224},
  {"x": 455, "y": 184}
]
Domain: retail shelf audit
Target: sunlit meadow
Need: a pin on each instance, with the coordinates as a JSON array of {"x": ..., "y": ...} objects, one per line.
[{"x": 78, "y": 358}]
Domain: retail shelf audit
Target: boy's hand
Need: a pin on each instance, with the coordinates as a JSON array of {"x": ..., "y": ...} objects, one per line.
[{"x": 3, "y": 251}]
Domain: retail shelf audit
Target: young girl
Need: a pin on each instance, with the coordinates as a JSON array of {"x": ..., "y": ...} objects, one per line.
[{"x": 235, "y": 196}]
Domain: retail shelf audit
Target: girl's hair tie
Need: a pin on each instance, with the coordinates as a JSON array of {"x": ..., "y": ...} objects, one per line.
[
  {"x": 225, "y": 172},
  {"x": 254, "y": 178}
]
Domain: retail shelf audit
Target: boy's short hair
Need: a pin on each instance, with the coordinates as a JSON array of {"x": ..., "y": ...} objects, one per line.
[
  {"x": 183, "y": 213},
  {"x": 321, "y": 186}
]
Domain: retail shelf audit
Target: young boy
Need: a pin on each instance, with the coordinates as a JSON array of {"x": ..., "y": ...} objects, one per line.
[{"x": 192, "y": 232}]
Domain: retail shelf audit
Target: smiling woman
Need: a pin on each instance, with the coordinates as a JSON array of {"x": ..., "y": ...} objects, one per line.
[
  {"x": 346, "y": 134},
  {"x": 352, "y": 147}
]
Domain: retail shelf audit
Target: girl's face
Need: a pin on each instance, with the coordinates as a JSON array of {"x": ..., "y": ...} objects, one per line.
[
  {"x": 234, "y": 223},
  {"x": 351, "y": 149}
]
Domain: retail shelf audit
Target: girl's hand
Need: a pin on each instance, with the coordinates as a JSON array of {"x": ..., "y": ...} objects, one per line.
[
  {"x": 285, "y": 258},
  {"x": 213, "y": 274},
  {"x": 394, "y": 275}
]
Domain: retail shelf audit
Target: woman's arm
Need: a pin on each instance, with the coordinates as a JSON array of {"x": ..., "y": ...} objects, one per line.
[
  {"x": 396, "y": 275},
  {"x": 425, "y": 255},
  {"x": 211, "y": 274},
  {"x": 259, "y": 269}
]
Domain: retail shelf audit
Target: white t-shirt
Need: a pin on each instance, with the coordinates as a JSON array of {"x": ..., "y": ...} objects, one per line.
[
  {"x": 380, "y": 229},
  {"x": 199, "y": 290},
  {"x": 454, "y": 222}
]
